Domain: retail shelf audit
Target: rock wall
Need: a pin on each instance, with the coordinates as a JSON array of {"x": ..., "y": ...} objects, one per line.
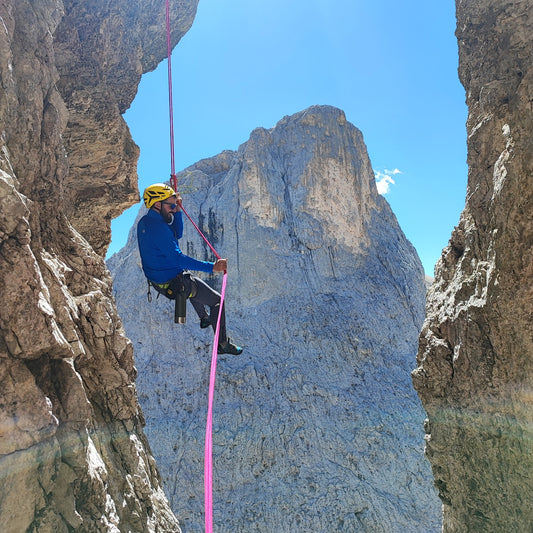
[
  {"x": 316, "y": 424},
  {"x": 73, "y": 455},
  {"x": 475, "y": 359}
]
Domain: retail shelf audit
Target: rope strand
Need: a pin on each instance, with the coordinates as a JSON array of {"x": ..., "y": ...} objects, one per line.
[{"x": 170, "y": 103}]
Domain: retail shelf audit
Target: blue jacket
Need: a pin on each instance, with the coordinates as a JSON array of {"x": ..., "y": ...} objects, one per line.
[{"x": 161, "y": 256}]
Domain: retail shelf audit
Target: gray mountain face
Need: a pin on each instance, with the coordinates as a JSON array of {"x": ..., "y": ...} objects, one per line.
[{"x": 316, "y": 424}]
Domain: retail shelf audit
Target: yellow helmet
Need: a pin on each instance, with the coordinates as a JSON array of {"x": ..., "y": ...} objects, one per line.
[{"x": 157, "y": 193}]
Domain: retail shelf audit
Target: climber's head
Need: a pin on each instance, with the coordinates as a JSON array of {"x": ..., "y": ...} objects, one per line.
[
  {"x": 157, "y": 192},
  {"x": 162, "y": 198}
]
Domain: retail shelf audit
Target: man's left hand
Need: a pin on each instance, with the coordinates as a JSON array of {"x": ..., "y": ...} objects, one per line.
[{"x": 221, "y": 265}]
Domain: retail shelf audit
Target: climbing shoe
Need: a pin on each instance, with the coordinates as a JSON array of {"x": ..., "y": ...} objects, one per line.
[
  {"x": 205, "y": 322},
  {"x": 229, "y": 347}
]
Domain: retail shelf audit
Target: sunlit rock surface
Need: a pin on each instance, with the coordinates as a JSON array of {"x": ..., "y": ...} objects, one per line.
[
  {"x": 475, "y": 361},
  {"x": 73, "y": 455}
]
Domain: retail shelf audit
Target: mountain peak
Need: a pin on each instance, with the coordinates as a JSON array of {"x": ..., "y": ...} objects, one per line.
[{"x": 327, "y": 296}]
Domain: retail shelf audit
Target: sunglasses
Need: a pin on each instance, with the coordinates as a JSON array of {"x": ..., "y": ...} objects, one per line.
[{"x": 171, "y": 206}]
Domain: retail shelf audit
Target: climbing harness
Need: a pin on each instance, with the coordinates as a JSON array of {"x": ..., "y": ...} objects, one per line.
[
  {"x": 175, "y": 290},
  {"x": 208, "y": 454}
]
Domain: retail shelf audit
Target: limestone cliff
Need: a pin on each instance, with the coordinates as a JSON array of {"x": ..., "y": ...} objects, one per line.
[
  {"x": 73, "y": 455},
  {"x": 317, "y": 427},
  {"x": 475, "y": 360}
]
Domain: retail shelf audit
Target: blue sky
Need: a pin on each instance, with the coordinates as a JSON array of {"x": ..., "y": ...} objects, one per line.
[{"x": 390, "y": 66}]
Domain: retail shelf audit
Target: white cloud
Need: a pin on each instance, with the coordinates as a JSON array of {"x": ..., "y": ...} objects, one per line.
[
  {"x": 383, "y": 183},
  {"x": 385, "y": 179},
  {"x": 393, "y": 172}
]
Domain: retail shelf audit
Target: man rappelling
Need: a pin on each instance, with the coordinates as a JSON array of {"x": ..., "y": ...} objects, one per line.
[{"x": 167, "y": 267}]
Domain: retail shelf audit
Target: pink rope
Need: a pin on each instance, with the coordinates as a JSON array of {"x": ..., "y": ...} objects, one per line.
[
  {"x": 208, "y": 455},
  {"x": 208, "y": 452}
]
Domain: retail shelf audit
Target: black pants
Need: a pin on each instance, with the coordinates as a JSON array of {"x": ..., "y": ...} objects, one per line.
[{"x": 202, "y": 296}]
